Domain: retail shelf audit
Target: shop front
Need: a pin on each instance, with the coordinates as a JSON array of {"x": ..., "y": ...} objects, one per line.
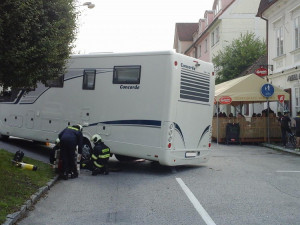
[{"x": 289, "y": 80}]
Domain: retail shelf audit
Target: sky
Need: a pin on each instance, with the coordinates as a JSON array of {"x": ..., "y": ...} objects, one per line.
[{"x": 134, "y": 25}]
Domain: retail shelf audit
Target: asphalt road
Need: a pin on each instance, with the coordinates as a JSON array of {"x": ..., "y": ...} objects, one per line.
[{"x": 239, "y": 185}]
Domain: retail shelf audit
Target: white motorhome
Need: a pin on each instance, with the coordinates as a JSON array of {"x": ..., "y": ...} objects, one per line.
[{"x": 152, "y": 105}]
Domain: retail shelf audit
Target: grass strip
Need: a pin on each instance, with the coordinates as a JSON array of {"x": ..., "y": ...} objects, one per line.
[{"x": 17, "y": 184}]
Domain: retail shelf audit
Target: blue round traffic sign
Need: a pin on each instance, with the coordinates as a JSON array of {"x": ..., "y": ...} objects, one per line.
[{"x": 267, "y": 90}]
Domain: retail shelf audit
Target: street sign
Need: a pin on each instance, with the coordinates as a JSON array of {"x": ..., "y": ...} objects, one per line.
[
  {"x": 267, "y": 90},
  {"x": 261, "y": 72},
  {"x": 225, "y": 100}
]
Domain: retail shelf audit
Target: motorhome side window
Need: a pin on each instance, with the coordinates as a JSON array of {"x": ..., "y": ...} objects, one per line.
[
  {"x": 9, "y": 95},
  {"x": 58, "y": 82},
  {"x": 127, "y": 74},
  {"x": 89, "y": 78}
]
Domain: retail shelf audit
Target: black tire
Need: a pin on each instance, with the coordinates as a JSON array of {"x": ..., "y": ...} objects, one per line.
[{"x": 123, "y": 158}]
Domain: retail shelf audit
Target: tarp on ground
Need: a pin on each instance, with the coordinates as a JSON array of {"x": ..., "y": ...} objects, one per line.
[{"x": 247, "y": 89}]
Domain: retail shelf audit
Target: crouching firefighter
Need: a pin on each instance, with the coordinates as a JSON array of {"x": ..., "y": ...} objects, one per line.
[{"x": 100, "y": 156}]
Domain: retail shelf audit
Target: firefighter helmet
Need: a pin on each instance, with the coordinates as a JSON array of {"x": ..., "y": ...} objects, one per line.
[
  {"x": 78, "y": 126},
  {"x": 95, "y": 138}
]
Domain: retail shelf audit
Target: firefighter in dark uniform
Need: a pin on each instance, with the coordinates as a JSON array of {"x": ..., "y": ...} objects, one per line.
[
  {"x": 70, "y": 138},
  {"x": 100, "y": 156}
]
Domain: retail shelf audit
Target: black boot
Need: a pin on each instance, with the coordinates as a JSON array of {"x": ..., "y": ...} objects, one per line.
[
  {"x": 65, "y": 176},
  {"x": 105, "y": 171},
  {"x": 95, "y": 172},
  {"x": 74, "y": 175}
]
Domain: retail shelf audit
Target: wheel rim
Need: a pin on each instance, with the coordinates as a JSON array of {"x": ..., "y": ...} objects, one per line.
[{"x": 86, "y": 151}]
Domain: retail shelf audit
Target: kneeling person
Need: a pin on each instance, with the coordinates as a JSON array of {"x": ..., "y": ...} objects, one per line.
[{"x": 100, "y": 156}]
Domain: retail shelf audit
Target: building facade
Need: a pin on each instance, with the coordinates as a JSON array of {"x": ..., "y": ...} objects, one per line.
[
  {"x": 283, "y": 35},
  {"x": 227, "y": 20}
]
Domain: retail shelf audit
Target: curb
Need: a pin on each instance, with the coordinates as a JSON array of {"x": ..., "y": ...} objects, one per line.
[
  {"x": 14, "y": 217},
  {"x": 280, "y": 148}
]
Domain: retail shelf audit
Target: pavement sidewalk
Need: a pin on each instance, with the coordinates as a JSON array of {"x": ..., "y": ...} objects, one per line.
[{"x": 281, "y": 148}]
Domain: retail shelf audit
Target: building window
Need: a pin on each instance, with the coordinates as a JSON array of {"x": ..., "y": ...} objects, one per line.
[
  {"x": 297, "y": 98},
  {"x": 218, "y": 7},
  {"x": 279, "y": 41},
  {"x": 199, "y": 50},
  {"x": 297, "y": 32},
  {"x": 246, "y": 109},
  {"x": 215, "y": 36},
  {"x": 206, "y": 45},
  {"x": 89, "y": 78},
  {"x": 127, "y": 75}
]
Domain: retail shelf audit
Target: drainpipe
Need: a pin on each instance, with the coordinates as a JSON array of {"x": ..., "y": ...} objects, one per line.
[{"x": 267, "y": 40}]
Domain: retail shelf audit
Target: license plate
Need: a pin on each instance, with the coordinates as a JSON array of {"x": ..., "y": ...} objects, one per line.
[{"x": 190, "y": 154}]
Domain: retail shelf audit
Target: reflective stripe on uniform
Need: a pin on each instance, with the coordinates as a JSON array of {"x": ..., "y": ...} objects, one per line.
[
  {"x": 73, "y": 128},
  {"x": 104, "y": 156},
  {"x": 105, "y": 150},
  {"x": 94, "y": 157},
  {"x": 98, "y": 165}
]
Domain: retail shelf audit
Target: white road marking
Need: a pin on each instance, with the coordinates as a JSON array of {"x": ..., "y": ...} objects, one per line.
[
  {"x": 207, "y": 219},
  {"x": 287, "y": 171}
]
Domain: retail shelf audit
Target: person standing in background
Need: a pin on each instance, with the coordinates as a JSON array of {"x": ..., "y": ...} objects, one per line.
[
  {"x": 284, "y": 125},
  {"x": 297, "y": 121}
]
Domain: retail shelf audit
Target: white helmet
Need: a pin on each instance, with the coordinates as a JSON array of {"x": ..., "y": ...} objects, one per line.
[
  {"x": 57, "y": 141},
  {"x": 78, "y": 126},
  {"x": 95, "y": 138}
]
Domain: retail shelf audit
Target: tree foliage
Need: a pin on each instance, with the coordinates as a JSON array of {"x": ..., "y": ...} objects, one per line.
[
  {"x": 238, "y": 56},
  {"x": 35, "y": 40}
]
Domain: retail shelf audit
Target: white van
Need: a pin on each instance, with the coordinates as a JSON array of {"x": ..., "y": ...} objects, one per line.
[{"x": 152, "y": 105}]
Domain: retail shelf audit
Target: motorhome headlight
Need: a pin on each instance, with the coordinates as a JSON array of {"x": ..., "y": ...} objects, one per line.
[
  {"x": 170, "y": 132},
  {"x": 170, "y": 139}
]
